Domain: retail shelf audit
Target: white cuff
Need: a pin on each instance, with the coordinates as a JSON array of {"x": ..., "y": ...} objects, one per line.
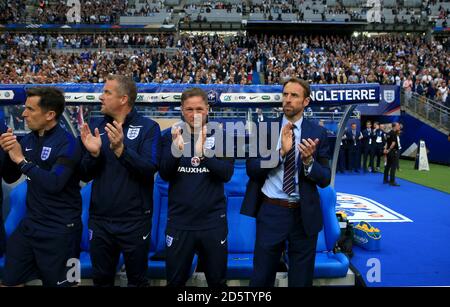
[{"x": 308, "y": 168}]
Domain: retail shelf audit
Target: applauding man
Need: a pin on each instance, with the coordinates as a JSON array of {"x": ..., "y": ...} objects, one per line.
[
  {"x": 197, "y": 221},
  {"x": 48, "y": 239},
  {"x": 284, "y": 197},
  {"x": 122, "y": 157}
]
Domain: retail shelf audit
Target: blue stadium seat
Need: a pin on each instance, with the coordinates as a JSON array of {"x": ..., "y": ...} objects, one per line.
[
  {"x": 18, "y": 207},
  {"x": 329, "y": 264},
  {"x": 157, "y": 262},
  {"x": 241, "y": 228},
  {"x": 85, "y": 259},
  {"x": 17, "y": 201}
]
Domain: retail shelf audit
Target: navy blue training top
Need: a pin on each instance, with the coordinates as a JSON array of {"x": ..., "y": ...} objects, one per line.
[
  {"x": 122, "y": 188},
  {"x": 196, "y": 187}
]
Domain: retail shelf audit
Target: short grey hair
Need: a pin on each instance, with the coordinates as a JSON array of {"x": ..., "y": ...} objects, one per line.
[{"x": 126, "y": 87}]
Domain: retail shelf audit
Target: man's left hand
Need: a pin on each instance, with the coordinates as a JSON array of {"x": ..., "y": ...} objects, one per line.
[
  {"x": 115, "y": 136},
  {"x": 307, "y": 149}
]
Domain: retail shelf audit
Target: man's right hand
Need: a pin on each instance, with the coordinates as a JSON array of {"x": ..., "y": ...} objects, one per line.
[
  {"x": 93, "y": 143},
  {"x": 8, "y": 140},
  {"x": 177, "y": 138},
  {"x": 286, "y": 138},
  {"x": 9, "y": 144}
]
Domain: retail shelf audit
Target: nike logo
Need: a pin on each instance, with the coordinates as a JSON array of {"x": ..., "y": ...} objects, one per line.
[
  {"x": 145, "y": 237},
  {"x": 165, "y": 97},
  {"x": 222, "y": 242},
  {"x": 102, "y": 133},
  {"x": 78, "y": 97},
  {"x": 61, "y": 282},
  {"x": 28, "y": 149},
  {"x": 253, "y": 97}
]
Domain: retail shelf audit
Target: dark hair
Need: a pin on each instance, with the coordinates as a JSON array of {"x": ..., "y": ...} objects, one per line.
[
  {"x": 126, "y": 87},
  {"x": 52, "y": 99},
  {"x": 194, "y": 92},
  {"x": 304, "y": 84}
]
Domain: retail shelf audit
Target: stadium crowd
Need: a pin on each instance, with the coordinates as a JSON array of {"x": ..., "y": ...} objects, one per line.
[
  {"x": 54, "y": 12},
  {"x": 409, "y": 61}
]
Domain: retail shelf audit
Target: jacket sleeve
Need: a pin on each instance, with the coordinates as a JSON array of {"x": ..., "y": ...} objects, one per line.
[
  {"x": 259, "y": 168},
  {"x": 145, "y": 162},
  {"x": 10, "y": 172},
  {"x": 54, "y": 180},
  {"x": 222, "y": 168},
  {"x": 320, "y": 172},
  {"x": 169, "y": 163}
]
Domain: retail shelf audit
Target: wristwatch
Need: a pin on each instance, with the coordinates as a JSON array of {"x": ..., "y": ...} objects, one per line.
[
  {"x": 23, "y": 163},
  {"x": 310, "y": 162}
]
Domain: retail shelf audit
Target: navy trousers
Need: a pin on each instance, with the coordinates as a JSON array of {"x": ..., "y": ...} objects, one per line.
[{"x": 275, "y": 226}]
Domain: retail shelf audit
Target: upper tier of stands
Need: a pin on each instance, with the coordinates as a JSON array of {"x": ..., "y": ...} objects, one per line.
[{"x": 130, "y": 12}]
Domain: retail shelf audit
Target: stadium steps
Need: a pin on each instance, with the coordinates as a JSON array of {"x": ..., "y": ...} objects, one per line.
[
  {"x": 428, "y": 122},
  {"x": 180, "y": 7},
  {"x": 429, "y": 112},
  {"x": 29, "y": 11}
]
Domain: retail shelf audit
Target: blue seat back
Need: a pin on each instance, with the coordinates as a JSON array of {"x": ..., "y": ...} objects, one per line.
[
  {"x": 86, "y": 201},
  {"x": 18, "y": 207},
  {"x": 160, "y": 209},
  {"x": 241, "y": 228},
  {"x": 331, "y": 231}
]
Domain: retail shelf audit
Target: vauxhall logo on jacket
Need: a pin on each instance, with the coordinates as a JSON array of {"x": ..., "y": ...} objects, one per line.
[{"x": 192, "y": 170}]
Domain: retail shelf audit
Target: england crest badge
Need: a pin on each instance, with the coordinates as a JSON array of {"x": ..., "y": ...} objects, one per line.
[
  {"x": 210, "y": 142},
  {"x": 169, "y": 240},
  {"x": 389, "y": 96},
  {"x": 133, "y": 132},
  {"x": 45, "y": 153}
]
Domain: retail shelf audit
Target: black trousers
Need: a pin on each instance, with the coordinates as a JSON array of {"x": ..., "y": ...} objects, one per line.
[
  {"x": 391, "y": 166},
  {"x": 109, "y": 239},
  {"x": 379, "y": 153},
  {"x": 211, "y": 245},
  {"x": 354, "y": 157},
  {"x": 341, "y": 160},
  {"x": 368, "y": 153}
]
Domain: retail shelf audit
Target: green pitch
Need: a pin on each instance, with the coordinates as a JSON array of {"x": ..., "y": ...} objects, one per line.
[{"x": 438, "y": 177}]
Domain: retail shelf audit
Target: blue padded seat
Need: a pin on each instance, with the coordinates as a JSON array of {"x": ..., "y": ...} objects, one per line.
[
  {"x": 157, "y": 262},
  {"x": 329, "y": 264},
  {"x": 18, "y": 208},
  {"x": 85, "y": 258},
  {"x": 241, "y": 228}
]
